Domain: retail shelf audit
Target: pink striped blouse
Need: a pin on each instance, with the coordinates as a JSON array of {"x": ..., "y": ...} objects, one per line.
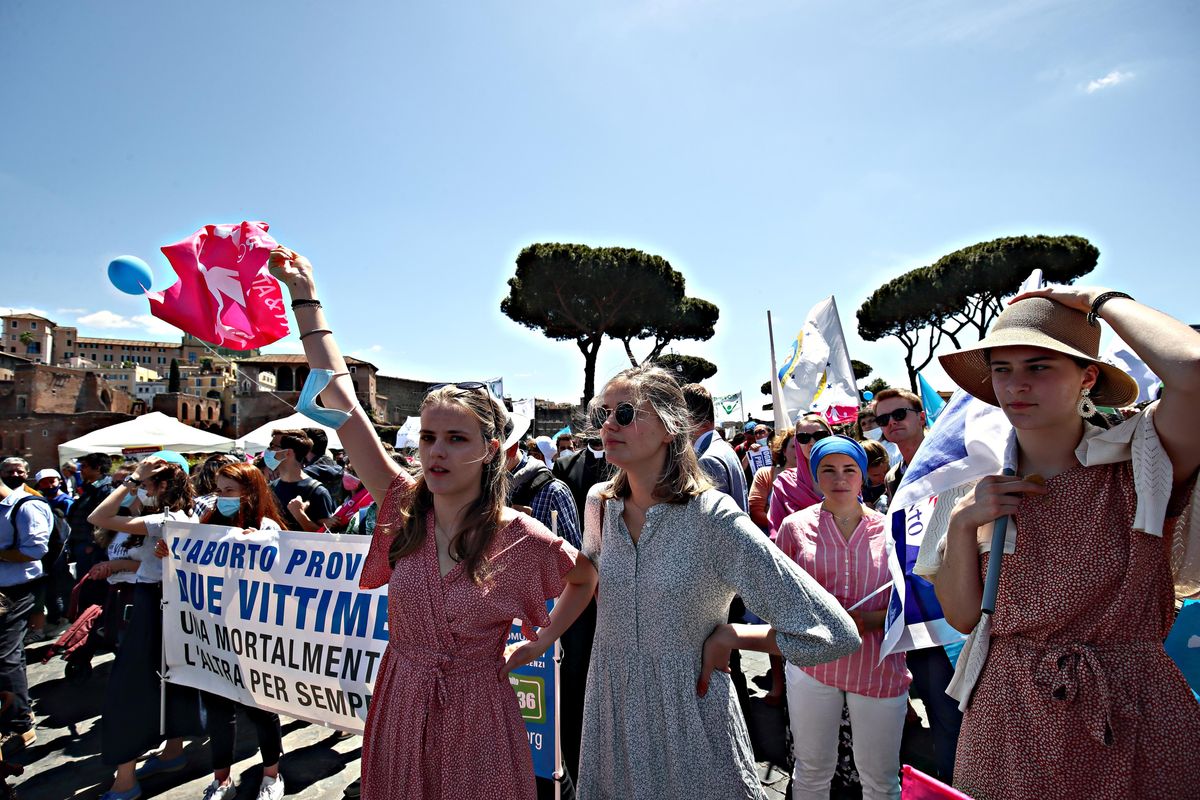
[{"x": 849, "y": 570}]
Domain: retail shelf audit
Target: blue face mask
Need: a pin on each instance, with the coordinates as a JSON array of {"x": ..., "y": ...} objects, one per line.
[
  {"x": 228, "y": 506},
  {"x": 127, "y": 501},
  {"x": 314, "y": 384},
  {"x": 270, "y": 459}
]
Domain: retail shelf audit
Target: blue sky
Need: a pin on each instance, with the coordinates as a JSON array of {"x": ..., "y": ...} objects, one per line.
[{"x": 774, "y": 152}]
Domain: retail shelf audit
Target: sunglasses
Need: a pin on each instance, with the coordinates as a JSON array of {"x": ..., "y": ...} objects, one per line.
[
  {"x": 466, "y": 386},
  {"x": 623, "y": 414},
  {"x": 805, "y": 438},
  {"x": 899, "y": 414}
]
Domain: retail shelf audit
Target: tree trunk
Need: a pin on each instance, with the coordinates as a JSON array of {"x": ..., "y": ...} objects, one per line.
[
  {"x": 633, "y": 362},
  {"x": 590, "y": 347}
]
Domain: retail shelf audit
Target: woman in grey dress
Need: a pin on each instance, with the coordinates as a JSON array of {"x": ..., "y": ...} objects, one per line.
[{"x": 661, "y": 719}]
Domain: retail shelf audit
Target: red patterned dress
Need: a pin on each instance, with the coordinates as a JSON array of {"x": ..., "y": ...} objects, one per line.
[
  {"x": 1077, "y": 699},
  {"x": 443, "y": 721}
]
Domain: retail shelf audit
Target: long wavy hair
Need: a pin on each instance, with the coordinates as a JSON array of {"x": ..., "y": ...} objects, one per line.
[
  {"x": 681, "y": 478},
  {"x": 204, "y": 479},
  {"x": 481, "y": 519},
  {"x": 258, "y": 501}
]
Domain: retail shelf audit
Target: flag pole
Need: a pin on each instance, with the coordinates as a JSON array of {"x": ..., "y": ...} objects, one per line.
[{"x": 780, "y": 414}]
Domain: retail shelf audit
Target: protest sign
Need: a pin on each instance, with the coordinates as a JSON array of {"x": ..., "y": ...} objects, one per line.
[
  {"x": 275, "y": 620},
  {"x": 536, "y": 685}
]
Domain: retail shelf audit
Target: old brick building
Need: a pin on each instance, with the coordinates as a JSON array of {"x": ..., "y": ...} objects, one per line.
[{"x": 42, "y": 407}]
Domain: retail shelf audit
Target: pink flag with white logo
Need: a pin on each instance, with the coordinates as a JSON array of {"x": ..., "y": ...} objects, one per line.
[{"x": 225, "y": 295}]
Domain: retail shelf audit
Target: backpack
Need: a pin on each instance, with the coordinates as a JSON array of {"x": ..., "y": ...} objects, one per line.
[
  {"x": 528, "y": 482},
  {"x": 60, "y": 531}
]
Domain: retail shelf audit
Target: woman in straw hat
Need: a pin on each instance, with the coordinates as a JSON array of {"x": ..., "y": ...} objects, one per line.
[{"x": 1072, "y": 695}]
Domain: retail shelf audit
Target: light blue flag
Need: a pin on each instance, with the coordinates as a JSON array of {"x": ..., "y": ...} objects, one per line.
[
  {"x": 1183, "y": 643},
  {"x": 931, "y": 400},
  {"x": 564, "y": 432}
]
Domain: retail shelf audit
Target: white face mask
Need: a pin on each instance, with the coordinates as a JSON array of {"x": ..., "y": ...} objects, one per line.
[
  {"x": 145, "y": 499},
  {"x": 875, "y": 433}
]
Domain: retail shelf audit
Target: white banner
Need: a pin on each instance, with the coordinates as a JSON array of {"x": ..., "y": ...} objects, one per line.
[
  {"x": 274, "y": 619},
  {"x": 729, "y": 408}
]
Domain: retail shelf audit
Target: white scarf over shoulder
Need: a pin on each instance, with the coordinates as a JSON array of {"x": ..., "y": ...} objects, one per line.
[{"x": 1134, "y": 440}]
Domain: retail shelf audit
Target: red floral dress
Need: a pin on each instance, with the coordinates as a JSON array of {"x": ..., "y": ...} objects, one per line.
[
  {"x": 443, "y": 721},
  {"x": 1078, "y": 700}
]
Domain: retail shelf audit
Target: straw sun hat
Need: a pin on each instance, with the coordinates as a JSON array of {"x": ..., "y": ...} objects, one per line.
[{"x": 1040, "y": 322}]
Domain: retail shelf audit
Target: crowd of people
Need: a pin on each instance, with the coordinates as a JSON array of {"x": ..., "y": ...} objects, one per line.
[{"x": 667, "y": 550}]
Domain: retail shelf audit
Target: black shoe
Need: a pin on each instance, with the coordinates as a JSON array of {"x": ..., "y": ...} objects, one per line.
[
  {"x": 354, "y": 790},
  {"x": 78, "y": 672},
  {"x": 15, "y": 741}
]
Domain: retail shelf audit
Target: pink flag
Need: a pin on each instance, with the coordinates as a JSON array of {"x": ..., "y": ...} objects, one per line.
[
  {"x": 916, "y": 785},
  {"x": 224, "y": 294}
]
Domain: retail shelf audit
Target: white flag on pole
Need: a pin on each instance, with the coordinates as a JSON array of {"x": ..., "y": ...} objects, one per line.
[
  {"x": 409, "y": 433},
  {"x": 525, "y": 407},
  {"x": 817, "y": 374},
  {"x": 728, "y": 408}
]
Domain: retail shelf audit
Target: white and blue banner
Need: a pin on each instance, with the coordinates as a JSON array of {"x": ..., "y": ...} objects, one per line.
[
  {"x": 969, "y": 441},
  {"x": 275, "y": 619}
]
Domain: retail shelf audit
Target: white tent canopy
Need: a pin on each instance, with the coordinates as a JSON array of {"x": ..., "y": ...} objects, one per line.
[
  {"x": 149, "y": 430},
  {"x": 259, "y": 439}
]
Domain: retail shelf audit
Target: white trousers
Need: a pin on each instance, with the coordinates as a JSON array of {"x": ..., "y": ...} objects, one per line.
[{"x": 816, "y": 715}]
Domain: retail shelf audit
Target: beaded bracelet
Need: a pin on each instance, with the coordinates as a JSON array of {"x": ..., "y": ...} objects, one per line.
[
  {"x": 1094, "y": 315},
  {"x": 305, "y": 302}
]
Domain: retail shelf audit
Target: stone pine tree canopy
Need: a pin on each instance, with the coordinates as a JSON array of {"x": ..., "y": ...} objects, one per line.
[
  {"x": 687, "y": 369},
  {"x": 572, "y": 292},
  {"x": 964, "y": 291}
]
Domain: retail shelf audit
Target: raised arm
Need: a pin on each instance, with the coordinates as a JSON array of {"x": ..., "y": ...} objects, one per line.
[
  {"x": 1170, "y": 348},
  {"x": 108, "y": 514},
  {"x": 371, "y": 462}
]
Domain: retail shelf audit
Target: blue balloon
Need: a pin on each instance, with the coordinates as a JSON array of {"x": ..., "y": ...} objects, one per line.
[
  {"x": 868, "y": 396},
  {"x": 130, "y": 274}
]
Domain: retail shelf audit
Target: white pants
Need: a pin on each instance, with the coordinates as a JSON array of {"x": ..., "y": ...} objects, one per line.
[{"x": 816, "y": 715}]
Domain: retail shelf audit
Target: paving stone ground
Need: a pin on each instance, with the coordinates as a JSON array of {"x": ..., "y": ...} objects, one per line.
[{"x": 64, "y": 763}]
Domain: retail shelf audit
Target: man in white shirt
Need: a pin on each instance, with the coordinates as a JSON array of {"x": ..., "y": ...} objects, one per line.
[{"x": 25, "y": 523}]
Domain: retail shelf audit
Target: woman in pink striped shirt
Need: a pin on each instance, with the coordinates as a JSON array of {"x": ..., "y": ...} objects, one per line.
[{"x": 842, "y": 544}]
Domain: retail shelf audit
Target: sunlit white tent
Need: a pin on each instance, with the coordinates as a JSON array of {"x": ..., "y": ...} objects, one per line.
[
  {"x": 259, "y": 439},
  {"x": 149, "y": 430}
]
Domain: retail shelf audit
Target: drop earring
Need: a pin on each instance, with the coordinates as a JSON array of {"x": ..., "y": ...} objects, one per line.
[{"x": 1086, "y": 408}]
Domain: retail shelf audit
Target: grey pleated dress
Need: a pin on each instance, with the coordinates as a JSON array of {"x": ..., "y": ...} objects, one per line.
[{"x": 646, "y": 733}]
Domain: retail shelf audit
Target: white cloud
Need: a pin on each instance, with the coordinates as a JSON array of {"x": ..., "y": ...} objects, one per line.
[
  {"x": 71, "y": 311},
  {"x": 366, "y": 351},
  {"x": 146, "y": 325},
  {"x": 284, "y": 347},
  {"x": 1111, "y": 79},
  {"x": 156, "y": 327},
  {"x": 106, "y": 320},
  {"x": 924, "y": 22}
]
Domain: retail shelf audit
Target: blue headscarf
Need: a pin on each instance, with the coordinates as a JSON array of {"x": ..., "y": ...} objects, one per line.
[
  {"x": 837, "y": 444},
  {"x": 174, "y": 458}
]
